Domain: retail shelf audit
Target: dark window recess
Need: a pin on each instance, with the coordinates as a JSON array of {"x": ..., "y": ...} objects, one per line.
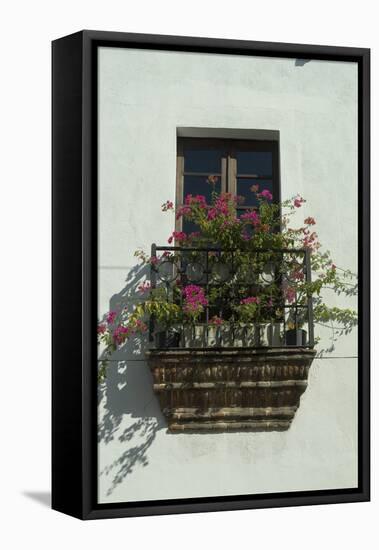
[{"x": 237, "y": 165}]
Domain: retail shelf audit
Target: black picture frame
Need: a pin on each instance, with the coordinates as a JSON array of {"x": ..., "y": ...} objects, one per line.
[{"x": 74, "y": 205}]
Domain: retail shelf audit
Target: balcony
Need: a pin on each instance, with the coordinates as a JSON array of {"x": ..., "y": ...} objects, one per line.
[{"x": 242, "y": 362}]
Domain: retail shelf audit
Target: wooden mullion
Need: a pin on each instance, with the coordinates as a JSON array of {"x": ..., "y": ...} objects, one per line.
[
  {"x": 232, "y": 173},
  {"x": 224, "y": 171}
]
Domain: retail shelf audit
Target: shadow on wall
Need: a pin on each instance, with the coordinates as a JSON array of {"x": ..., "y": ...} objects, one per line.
[
  {"x": 127, "y": 394},
  {"x": 129, "y": 412},
  {"x": 336, "y": 331}
]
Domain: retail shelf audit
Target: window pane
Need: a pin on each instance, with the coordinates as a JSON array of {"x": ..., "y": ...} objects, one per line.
[
  {"x": 244, "y": 189},
  {"x": 254, "y": 162},
  {"x": 203, "y": 160},
  {"x": 190, "y": 227},
  {"x": 198, "y": 185}
]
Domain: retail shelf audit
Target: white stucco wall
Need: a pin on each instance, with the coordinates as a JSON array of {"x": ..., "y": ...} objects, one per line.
[{"x": 144, "y": 97}]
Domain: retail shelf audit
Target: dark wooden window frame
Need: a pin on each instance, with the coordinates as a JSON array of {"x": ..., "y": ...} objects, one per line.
[{"x": 228, "y": 172}]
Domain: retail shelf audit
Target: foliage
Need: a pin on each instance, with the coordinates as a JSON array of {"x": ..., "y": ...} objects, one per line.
[{"x": 265, "y": 279}]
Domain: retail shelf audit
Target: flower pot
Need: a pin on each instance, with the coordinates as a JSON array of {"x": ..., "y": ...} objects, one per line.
[
  {"x": 296, "y": 337},
  {"x": 167, "y": 339}
]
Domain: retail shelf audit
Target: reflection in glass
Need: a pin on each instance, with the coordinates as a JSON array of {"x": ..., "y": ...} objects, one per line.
[
  {"x": 254, "y": 162},
  {"x": 199, "y": 185},
  {"x": 244, "y": 189},
  {"x": 208, "y": 161}
]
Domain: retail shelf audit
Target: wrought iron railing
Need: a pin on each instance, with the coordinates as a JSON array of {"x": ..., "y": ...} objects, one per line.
[{"x": 237, "y": 274}]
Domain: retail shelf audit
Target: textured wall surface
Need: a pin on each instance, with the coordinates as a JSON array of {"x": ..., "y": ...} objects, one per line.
[{"x": 144, "y": 98}]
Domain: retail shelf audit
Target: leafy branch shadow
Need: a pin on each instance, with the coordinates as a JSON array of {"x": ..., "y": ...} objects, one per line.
[{"x": 127, "y": 394}]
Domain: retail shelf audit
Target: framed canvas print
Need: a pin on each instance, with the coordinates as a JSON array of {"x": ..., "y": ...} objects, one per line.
[{"x": 210, "y": 274}]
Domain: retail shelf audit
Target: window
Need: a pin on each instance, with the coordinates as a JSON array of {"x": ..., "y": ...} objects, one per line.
[{"x": 237, "y": 164}]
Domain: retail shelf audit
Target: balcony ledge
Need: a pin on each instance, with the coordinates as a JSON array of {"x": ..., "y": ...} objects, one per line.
[{"x": 230, "y": 389}]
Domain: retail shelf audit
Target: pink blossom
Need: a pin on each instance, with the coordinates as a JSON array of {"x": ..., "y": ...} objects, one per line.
[
  {"x": 290, "y": 294},
  {"x": 333, "y": 267},
  {"x": 183, "y": 211},
  {"x": 252, "y": 217},
  {"x": 250, "y": 300},
  {"x": 229, "y": 222},
  {"x": 179, "y": 237},
  {"x": 194, "y": 299},
  {"x": 212, "y": 214},
  {"x": 266, "y": 194},
  {"x": 311, "y": 241},
  {"x": 119, "y": 335},
  {"x": 216, "y": 320},
  {"x": 144, "y": 287},
  {"x": 101, "y": 329},
  {"x": 297, "y": 274},
  {"x": 197, "y": 200},
  {"x": 111, "y": 316},
  {"x": 298, "y": 201},
  {"x": 309, "y": 220},
  {"x": 141, "y": 326},
  {"x": 168, "y": 205}
]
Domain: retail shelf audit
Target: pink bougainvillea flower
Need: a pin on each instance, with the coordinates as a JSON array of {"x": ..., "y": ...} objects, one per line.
[
  {"x": 250, "y": 300},
  {"x": 183, "y": 211},
  {"x": 290, "y": 294},
  {"x": 120, "y": 334},
  {"x": 140, "y": 325},
  {"x": 179, "y": 237},
  {"x": 168, "y": 205},
  {"x": 144, "y": 287},
  {"x": 111, "y": 316},
  {"x": 266, "y": 194},
  {"x": 101, "y": 329},
  {"x": 194, "y": 299},
  {"x": 311, "y": 241},
  {"x": 197, "y": 200},
  {"x": 310, "y": 220},
  {"x": 298, "y": 201},
  {"x": 297, "y": 274},
  {"x": 212, "y": 214},
  {"x": 252, "y": 217},
  {"x": 216, "y": 320}
]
